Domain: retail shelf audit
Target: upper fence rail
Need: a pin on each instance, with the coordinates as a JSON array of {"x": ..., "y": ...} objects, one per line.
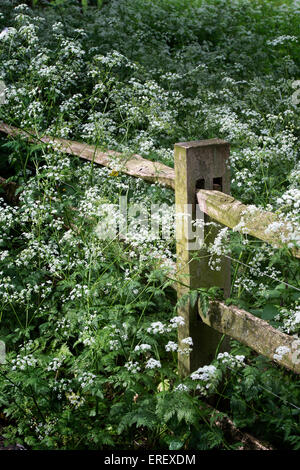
[
  {"x": 251, "y": 220},
  {"x": 133, "y": 165}
]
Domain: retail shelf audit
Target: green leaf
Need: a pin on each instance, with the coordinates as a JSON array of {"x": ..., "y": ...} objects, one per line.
[
  {"x": 193, "y": 298},
  {"x": 269, "y": 312},
  {"x": 204, "y": 302},
  {"x": 175, "y": 445}
]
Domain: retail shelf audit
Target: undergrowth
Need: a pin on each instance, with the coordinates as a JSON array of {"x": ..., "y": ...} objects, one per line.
[{"x": 90, "y": 324}]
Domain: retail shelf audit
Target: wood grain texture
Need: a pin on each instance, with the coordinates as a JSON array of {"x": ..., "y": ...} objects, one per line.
[
  {"x": 133, "y": 165},
  {"x": 198, "y": 161}
]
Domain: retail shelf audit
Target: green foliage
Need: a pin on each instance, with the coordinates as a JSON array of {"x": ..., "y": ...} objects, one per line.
[
  {"x": 90, "y": 324},
  {"x": 265, "y": 400}
]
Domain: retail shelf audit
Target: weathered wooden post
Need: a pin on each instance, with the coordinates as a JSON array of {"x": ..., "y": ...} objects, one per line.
[{"x": 198, "y": 165}]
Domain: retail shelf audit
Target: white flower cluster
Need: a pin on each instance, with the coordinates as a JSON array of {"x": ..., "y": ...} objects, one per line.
[
  {"x": 171, "y": 346},
  {"x": 157, "y": 327},
  {"x": 88, "y": 324},
  {"x": 153, "y": 364},
  {"x": 181, "y": 388},
  {"x": 186, "y": 346},
  {"x": 280, "y": 352},
  {"x": 281, "y": 40},
  {"x": 55, "y": 364},
  {"x": 78, "y": 292},
  {"x": 162, "y": 328},
  {"x": 23, "y": 362},
  {"x": 61, "y": 386},
  {"x": 177, "y": 321},
  {"x": 132, "y": 367},
  {"x": 118, "y": 333},
  {"x": 231, "y": 360},
  {"x": 142, "y": 347},
  {"x": 204, "y": 373},
  {"x": 114, "y": 344},
  {"x": 208, "y": 378},
  {"x": 86, "y": 379},
  {"x": 87, "y": 339},
  {"x": 290, "y": 319},
  {"x": 218, "y": 248},
  {"x": 63, "y": 327},
  {"x": 75, "y": 399},
  {"x": 43, "y": 430}
]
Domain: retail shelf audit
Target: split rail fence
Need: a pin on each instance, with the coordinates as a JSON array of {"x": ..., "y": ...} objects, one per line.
[{"x": 201, "y": 177}]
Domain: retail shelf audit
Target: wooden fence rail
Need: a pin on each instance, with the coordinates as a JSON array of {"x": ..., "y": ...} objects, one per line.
[
  {"x": 253, "y": 332},
  {"x": 133, "y": 165},
  {"x": 264, "y": 225},
  {"x": 200, "y": 168}
]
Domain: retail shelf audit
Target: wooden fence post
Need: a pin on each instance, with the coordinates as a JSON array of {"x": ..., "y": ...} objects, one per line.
[{"x": 198, "y": 165}]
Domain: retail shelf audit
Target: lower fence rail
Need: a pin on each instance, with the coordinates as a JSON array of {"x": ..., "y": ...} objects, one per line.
[{"x": 253, "y": 332}]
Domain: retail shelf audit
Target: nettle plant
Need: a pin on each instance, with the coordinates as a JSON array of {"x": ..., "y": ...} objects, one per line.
[{"x": 90, "y": 323}]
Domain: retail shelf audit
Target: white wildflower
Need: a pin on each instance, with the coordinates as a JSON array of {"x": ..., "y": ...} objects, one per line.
[{"x": 153, "y": 364}]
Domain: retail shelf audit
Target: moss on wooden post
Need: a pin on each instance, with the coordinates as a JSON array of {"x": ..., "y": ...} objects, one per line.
[{"x": 200, "y": 164}]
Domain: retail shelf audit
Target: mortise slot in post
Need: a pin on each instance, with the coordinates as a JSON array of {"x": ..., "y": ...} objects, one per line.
[{"x": 217, "y": 184}]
